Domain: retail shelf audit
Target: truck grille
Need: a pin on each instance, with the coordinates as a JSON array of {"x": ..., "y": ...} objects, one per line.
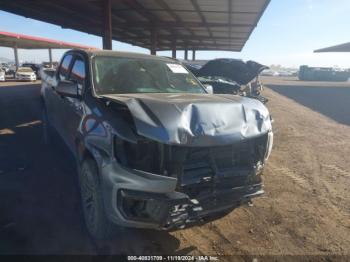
[{"x": 207, "y": 169}]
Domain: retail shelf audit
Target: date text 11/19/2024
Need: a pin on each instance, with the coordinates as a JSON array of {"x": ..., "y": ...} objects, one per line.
[{"x": 172, "y": 258}]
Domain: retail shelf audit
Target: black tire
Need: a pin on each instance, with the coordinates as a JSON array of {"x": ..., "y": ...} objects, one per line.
[{"x": 96, "y": 221}]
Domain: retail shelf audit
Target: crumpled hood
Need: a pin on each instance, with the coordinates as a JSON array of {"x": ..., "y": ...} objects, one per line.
[
  {"x": 195, "y": 119},
  {"x": 233, "y": 69}
]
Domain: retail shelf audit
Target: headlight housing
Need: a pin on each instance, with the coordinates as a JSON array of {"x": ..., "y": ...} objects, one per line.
[
  {"x": 269, "y": 145},
  {"x": 143, "y": 155}
]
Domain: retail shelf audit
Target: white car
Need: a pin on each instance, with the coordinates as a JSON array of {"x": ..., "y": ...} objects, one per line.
[
  {"x": 285, "y": 73},
  {"x": 25, "y": 73},
  {"x": 269, "y": 72},
  {"x": 2, "y": 75}
]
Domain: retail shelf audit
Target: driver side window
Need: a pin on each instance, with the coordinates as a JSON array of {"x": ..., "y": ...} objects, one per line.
[
  {"x": 78, "y": 73},
  {"x": 64, "y": 68}
]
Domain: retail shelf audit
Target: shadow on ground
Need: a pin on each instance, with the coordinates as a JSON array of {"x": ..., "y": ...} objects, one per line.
[
  {"x": 333, "y": 102},
  {"x": 39, "y": 201}
]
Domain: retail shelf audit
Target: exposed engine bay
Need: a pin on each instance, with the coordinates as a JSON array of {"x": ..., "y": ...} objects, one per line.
[
  {"x": 213, "y": 179},
  {"x": 212, "y": 175},
  {"x": 230, "y": 76}
]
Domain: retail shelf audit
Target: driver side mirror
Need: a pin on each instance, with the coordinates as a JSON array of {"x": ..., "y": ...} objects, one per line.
[
  {"x": 67, "y": 88},
  {"x": 209, "y": 89}
]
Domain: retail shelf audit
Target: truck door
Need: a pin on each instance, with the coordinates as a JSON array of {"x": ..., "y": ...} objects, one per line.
[
  {"x": 72, "y": 108},
  {"x": 54, "y": 100}
]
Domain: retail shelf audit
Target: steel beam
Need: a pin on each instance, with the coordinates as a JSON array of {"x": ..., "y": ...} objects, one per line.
[
  {"x": 193, "y": 54},
  {"x": 188, "y": 38},
  {"x": 175, "y": 16},
  {"x": 107, "y": 24},
  {"x": 154, "y": 40},
  {"x": 173, "y": 51},
  {"x": 204, "y": 20},
  {"x": 186, "y": 54},
  {"x": 15, "y": 50},
  {"x": 50, "y": 57}
]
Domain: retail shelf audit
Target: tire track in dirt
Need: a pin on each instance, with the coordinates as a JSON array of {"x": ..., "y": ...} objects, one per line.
[
  {"x": 209, "y": 239},
  {"x": 338, "y": 170},
  {"x": 292, "y": 175}
]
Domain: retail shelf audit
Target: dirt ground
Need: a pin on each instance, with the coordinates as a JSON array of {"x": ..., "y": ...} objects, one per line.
[{"x": 305, "y": 211}]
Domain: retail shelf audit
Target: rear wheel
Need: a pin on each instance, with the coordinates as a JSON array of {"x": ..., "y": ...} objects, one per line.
[{"x": 95, "y": 217}]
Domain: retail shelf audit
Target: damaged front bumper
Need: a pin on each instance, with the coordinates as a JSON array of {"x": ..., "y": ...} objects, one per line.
[
  {"x": 177, "y": 210},
  {"x": 139, "y": 199}
]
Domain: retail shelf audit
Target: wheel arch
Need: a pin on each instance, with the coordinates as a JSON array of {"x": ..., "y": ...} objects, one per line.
[{"x": 86, "y": 150}]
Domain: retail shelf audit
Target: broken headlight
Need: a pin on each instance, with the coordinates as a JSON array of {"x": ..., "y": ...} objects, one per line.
[
  {"x": 143, "y": 155},
  {"x": 269, "y": 145}
]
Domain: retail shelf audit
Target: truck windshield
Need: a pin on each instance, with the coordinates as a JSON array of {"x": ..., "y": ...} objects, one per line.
[{"x": 119, "y": 75}]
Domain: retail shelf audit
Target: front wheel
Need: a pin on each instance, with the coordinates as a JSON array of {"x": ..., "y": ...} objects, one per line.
[{"x": 95, "y": 217}]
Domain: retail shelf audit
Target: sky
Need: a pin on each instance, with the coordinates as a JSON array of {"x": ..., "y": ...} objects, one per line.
[{"x": 286, "y": 35}]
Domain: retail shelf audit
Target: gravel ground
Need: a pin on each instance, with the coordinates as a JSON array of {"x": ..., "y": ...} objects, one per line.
[{"x": 305, "y": 211}]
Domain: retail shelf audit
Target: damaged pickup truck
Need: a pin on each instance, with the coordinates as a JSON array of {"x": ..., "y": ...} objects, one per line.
[{"x": 154, "y": 149}]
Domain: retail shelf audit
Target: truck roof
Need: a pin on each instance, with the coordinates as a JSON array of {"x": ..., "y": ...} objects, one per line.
[{"x": 124, "y": 54}]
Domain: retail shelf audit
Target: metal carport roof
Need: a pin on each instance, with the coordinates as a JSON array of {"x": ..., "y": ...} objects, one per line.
[
  {"x": 8, "y": 39},
  {"x": 154, "y": 24},
  {"x": 337, "y": 48},
  {"x": 16, "y": 41}
]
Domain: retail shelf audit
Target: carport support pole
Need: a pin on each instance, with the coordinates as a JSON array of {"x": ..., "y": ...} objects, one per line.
[
  {"x": 50, "y": 57},
  {"x": 154, "y": 40},
  {"x": 193, "y": 55},
  {"x": 15, "y": 50},
  {"x": 186, "y": 54},
  {"x": 173, "y": 49},
  {"x": 107, "y": 25}
]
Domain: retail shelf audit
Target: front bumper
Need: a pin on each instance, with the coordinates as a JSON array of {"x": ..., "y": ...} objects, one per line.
[
  {"x": 144, "y": 200},
  {"x": 26, "y": 78}
]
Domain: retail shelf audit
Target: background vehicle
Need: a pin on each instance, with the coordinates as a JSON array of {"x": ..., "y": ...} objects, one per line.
[
  {"x": 231, "y": 76},
  {"x": 307, "y": 73},
  {"x": 35, "y": 67},
  {"x": 153, "y": 148},
  {"x": 2, "y": 75},
  {"x": 269, "y": 72},
  {"x": 25, "y": 73},
  {"x": 49, "y": 65},
  {"x": 10, "y": 70}
]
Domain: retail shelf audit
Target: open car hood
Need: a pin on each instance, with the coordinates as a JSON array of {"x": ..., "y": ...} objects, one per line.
[
  {"x": 195, "y": 119},
  {"x": 233, "y": 69}
]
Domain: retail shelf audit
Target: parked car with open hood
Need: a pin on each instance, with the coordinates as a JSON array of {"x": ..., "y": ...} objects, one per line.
[
  {"x": 153, "y": 148},
  {"x": 230, "y": 76},
  {"x": 25, "y": 73}
]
